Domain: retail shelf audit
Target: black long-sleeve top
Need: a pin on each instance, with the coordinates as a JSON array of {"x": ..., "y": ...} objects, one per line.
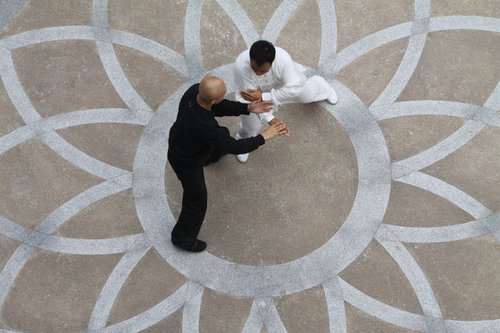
[{"x": 196, "y": 133}]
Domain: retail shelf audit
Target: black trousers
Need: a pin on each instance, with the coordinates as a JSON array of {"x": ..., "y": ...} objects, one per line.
[
  {"x": 194, "y": 199},
  {"x": 194, "y": 204}
]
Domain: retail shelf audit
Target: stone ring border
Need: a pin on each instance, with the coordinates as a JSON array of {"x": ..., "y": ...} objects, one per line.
[{"x": 359, "y": 229}]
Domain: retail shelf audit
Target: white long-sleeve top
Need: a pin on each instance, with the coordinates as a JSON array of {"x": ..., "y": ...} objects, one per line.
[{"x": 281, "y": 84}]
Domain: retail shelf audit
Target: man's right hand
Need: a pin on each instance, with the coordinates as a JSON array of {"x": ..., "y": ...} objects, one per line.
[
  {"x": 260, "y": 107},
  {"x": 278, "y": 128}
]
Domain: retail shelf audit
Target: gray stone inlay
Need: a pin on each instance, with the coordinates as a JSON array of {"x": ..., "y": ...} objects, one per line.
[
  {"x": 441, "y": 150},
  {"x": 192, "y": 308},
  {"x": 47, "y": 35},
  {"x": 255, "y": 320},
  {"x": 464, "y": 22},
  {"x": 15, "y": 138},
  {"x": 263, "y": 313},
  {"x": 78, "y": 203},
  {"x": 192, "y": 42},
  {"x": 431, "y": 107},
  {"x": 328, "y": 37},
  {"x": 89, "y": 246},
  {"x": 9, "y": 9},
  {"x": 110, "y": 61},
  {"x": 493, "y": 102},
  {"x": 335, "y": 304},
  {"x": 11, "y": 270},
  {"x": 272, "y": 320},
  {"x": 259, "y": 281},
  {"x": 151, "y": 316},
  {"x": 152, "y": 48},
  {"x": 381, "y": 310},
  {"x": 448, "y": 192},
  {"x": 371, "y": 42},
  {"x": 408, "y": 63},
  {"x": 48, "y": 226},
  {"x": 483, "y": 326},
  {"x": 13, "y": 230},
  {"x": 279, "y": 20},
  {"x": 30, "y": 116},
  {"x": 415, "y": 276},
  {"x": 113, "y": 285},
  {"x": 81, "y": 159},
  {"x": 492, "y": 223},
  {"x": 241, "y": 20},
  {"x": 434, "y": 234},
  {"x": 14, "y": 88}
]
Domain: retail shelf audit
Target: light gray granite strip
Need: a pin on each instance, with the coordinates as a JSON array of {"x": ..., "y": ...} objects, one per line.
[
  {"x": 15, "y": 89},
  {"x": 255, "y": 321},
  {"x": 483, "y": 23},
  {"x": 13, "y": 230},
  {"x": 402, "y": 76},
  {"x": 431, "y": 108},
  {"x": 381, "y": 310},
  {"x": 415, "y": 276},
  {"x": 118, "y": 77},
  {"x": 109, "y": 59},
  {"x": 192, "y": 42},
  {"x": 442, "y": 149},
  {"x": 12, "y": 269},
  {"x": 92, "y": 116},
  {"x": 328, "y": 37},
  {"x": 9, "y": 9},
  {"x": 241, "y": 20},
  {"x": 81, "y": 159},
  {"x": 151, "y": 316},
  {"x": 15, "y": 138},
  {"x": 112, "y": 287},
  {"x": 192, "y": 308},
  {"x": 273, "y": 321},
  {"x": 89, "y": 246},
  {"x": 78, "y": 203},
  {"x": 483, "y": 326},
  {"x": 433, "y": 234},
  {"x": 47, "y": 35},
  {"x": 448, "y": 192},
  {"x": 152, "y": 48},
  {"x": 492, "y": 223},
  {"x": 347, "y": 55},
  {"x": 30, "y": 116},
  {"x": 279, "y": 19},
  {"x": 335, "y": 304},
  {"x": 493, "y": 101},
  {"x": 382, "y": 37},
  {"x": 409, "y": 62}
]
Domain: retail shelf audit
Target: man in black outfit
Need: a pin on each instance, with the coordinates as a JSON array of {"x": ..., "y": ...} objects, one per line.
[{"x": 196, "y": 139}]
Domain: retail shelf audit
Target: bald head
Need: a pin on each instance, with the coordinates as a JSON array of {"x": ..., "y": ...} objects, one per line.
[{"x": 212, "y": 89}]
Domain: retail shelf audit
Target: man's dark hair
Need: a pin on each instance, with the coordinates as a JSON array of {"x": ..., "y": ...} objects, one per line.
[{"x": 262, "y": 51}]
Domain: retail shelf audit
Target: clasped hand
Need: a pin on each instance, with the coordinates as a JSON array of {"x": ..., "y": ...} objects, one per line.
[{"x": 252, "y": 95}]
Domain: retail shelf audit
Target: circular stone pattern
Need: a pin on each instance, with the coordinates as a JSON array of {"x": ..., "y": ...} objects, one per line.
[{"x": 343, "y": 247}]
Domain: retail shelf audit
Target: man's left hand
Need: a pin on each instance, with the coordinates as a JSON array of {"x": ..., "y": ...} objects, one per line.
[
  {"x": 252, "y": 95},
  {"x": 260, "y": 107}
]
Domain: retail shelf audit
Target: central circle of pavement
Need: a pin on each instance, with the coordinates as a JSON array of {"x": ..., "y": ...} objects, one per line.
[{"x": 328, "y": 260}]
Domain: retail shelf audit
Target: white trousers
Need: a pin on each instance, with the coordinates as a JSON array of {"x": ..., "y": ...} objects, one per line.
[{"x": 314, "y": 89}]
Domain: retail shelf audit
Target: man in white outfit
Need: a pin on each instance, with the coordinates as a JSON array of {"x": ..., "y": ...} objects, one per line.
[{"x": 268, "y": 73}]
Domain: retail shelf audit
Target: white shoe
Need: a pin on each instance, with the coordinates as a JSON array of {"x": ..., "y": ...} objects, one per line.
[
  {"x": 242, "y": 158},
  {"x": 332, "y": 99}
]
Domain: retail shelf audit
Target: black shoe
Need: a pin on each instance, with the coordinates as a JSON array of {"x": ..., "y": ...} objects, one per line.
[{"x": 197, "y": 246}]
